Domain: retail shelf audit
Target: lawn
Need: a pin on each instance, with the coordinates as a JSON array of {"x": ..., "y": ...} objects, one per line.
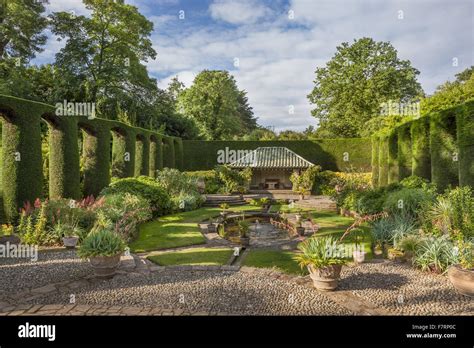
[
  {"x": 176, "y": 230},
  {"x": 334, "y": 224},
  {"x": 193, "y": 256},
  {"x": 281, "y": 260}
]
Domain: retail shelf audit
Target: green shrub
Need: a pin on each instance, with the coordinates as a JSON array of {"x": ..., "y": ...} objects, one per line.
[
  {"x": 231, "y": 179},
  {"x": 407, "y": 201},
  {"x": 435, "y": 254},
  {"x": 371, "y": 201},
  {"x": 320, "y": 252},
  {"x": 144, "y": 187},
  {"x": 210, "y": 179},
  {"x": 187, "y": 201},
  {"x": 101, "y": 242},
  {"x": 124, "y": 212}
]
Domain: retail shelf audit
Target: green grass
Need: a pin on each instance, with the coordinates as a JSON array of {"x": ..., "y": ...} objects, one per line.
[
  {"x": 176, "y": 230},
  {"x": 331, "y": 223},
  {"x": 193, "y": 256},
  {"x": 275, "y": 208},
  {"x": 281, "y": 260}
]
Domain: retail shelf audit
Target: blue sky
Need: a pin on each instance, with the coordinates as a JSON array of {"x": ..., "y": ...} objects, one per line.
[{"x": 278, "y": 44}]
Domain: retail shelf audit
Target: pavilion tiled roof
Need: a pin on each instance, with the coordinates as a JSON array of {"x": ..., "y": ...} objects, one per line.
[{"x": 271, "y": 157}]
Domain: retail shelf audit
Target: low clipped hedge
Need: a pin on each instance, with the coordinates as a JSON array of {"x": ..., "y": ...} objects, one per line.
[{"x": 144, "y": 187}]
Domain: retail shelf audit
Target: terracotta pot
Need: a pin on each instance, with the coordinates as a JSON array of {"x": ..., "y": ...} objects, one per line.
[
  {"x": 70, "y": 242},
  {"x": 325, "y": 278},
  {"x": 105, "y": 266},
  {"x": 462, "y": 279}
]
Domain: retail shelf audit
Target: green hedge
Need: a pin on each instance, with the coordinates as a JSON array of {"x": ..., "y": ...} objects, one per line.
[
  {"x": 383, "y": 160},
  {"x": 331, "y": 154},
  {"x": 123, "y": 153},
  {"x": 96, "y": 154},
  {"x": 375, "y": 161},
  {"x": 444, "y": 150},
  {"x": 21, "y": 160},
  {"x": 404, "y": 152},
  {"x": 393, "y": 169},
  {"x": 421, "y": 153},
  {"x": 465, "y": 133},
  {"x": 178, "y": 151},
  {"x": 168, "y": 153},
  {"x": 64, "y": 174},
  {"x": 142, "y": 156}
]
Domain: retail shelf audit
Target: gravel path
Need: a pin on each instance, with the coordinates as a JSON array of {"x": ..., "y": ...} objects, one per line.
[
  {"x": 51, "y": 267},
  {"x": 206, "y": 291},
  {"x": 391, "y": 287},
  {"x": 401, "y": 289}
]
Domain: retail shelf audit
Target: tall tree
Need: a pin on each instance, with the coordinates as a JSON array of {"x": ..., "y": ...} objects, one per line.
[
  {"x": 245, "y": 113},
  {"x": 350, "y": 89},
  {"x": 21, "y": 28},
  {"x": 212, "y": 101},
  {"x": 103, "y": 56},
  {"x": 450, "y": 94}
]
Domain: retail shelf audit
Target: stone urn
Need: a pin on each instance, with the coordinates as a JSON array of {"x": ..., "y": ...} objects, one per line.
[
  {"x": 105, "y": 266},
  {"x": 70, "y": 242},
  {"x": 325, "y": 278},
  {"x": 462, "y": 279},
  {"x": 211, "y": 228}
]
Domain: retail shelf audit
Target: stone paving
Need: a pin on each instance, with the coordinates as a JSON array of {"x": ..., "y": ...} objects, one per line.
[{"x": 142, "y": 288}]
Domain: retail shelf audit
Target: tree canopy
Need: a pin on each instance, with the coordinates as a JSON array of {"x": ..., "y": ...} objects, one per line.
[
  {"x": 351, "y": 87},
  {"x": 218, "y": 107}
]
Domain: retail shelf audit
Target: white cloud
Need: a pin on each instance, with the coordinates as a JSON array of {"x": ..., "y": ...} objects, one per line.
[
  {"x": 238, "y": 12},
  {"x": 67, "y": 6}
]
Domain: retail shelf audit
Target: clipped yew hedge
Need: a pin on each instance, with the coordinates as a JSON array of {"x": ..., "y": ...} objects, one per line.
[
  {"x": 438, "y": 147},
  {"x": 109, "y": 148},
  {"x": 331, "y": 154},
  {"x": 375, "y": 161}
]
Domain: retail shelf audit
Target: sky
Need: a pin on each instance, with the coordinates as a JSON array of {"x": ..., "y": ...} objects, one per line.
[{"x": 273, "y": 47}]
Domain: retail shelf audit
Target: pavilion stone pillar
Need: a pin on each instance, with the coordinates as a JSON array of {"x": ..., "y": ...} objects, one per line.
[
  {"x": 168, "y": 153},
  {"x": 64, "y": 172},
  {"x": 96, "y": 152},
  {"x": 142, "y": 156},
  {"x": 21, "y": 160},
  {"x": 123, "y": 153}
]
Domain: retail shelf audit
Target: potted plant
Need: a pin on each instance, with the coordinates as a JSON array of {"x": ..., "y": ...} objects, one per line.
[
  {"x": 68, "y": 232},
  {"x": 462, "y": 275},
  {"x": 103, "y": 248},
  {"x": 299, "y": 228},
  {"x": 324, "y": 257},
  {"x": 224, "y": 209},
  {"x": 244, "y": 230}
]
